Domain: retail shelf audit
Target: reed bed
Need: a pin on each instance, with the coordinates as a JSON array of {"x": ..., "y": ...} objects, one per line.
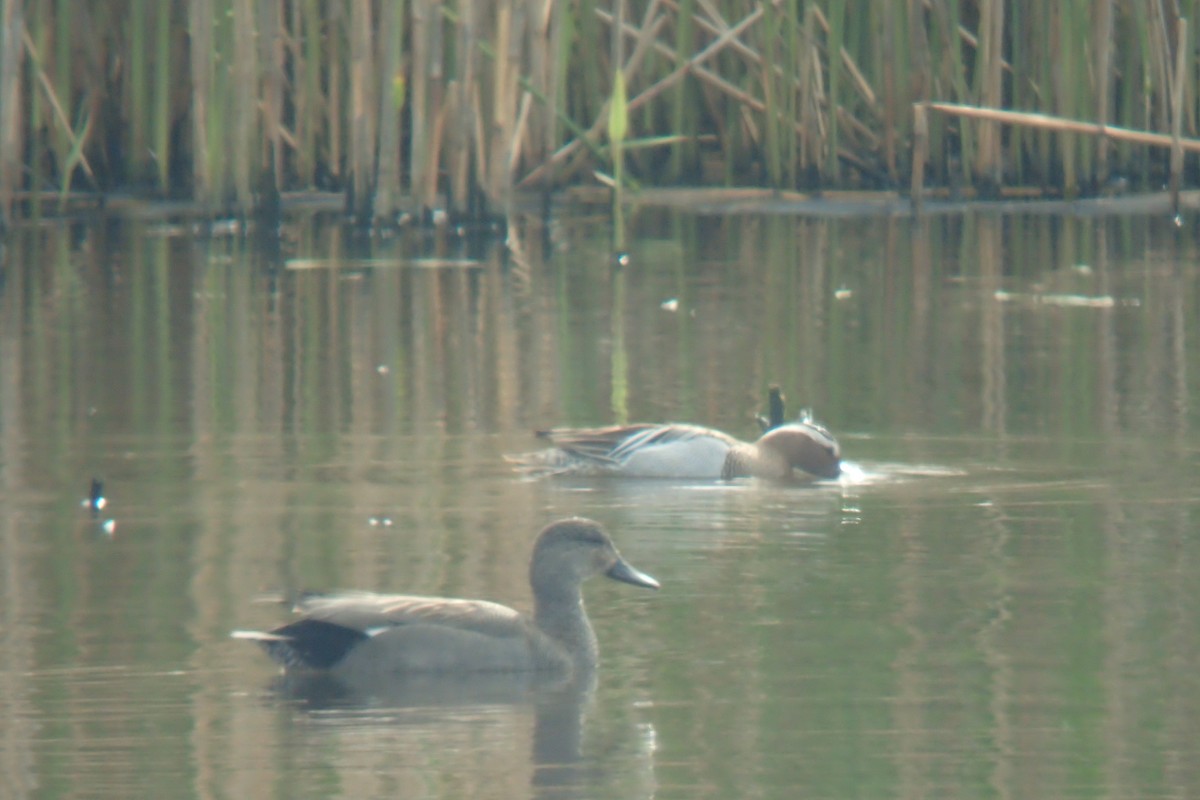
[{"x": 418, "y": 106}]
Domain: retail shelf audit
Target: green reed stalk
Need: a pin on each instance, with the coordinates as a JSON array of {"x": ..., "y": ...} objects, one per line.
[
  {"x": 334, "y": 58},
  {"x": 683, "y": 97},
  {"x": 362, "y": 107},
  {"x": 988, "y": 75},
  {"x": 564, "y": 27},
  {"x": 137, "y": 143},
  {"x": 37, "y": 110},
  {"x": 618, "y": 127},
  {"x": 437, "y": 101},
  {"x": 32, "y": 173},
  {"x": 200, "y": 22},
  {"x": 1018, "y": 138},
  {"x": 948, "y": 59},
  {"x": 1067, "y": 97},
  {"x": 620, "y": 355},
  {"x": 244, "y": 97},
  {"x": 12, "y": 127},
  {"x": 1101, "y": 47},
  {"x": 1086, "y": 84},
  {"x": 771, "y": 56},
  {"x": 223, "y": 112},
  {"x": 810, "y": 106},
  {"x": 793, "y": 52},
  {"x": 893, "y": 72},
  {"x": 419, "y": 84},
  {"x": 837, "y": 21},
  {"x": 524, "y": 138},
  {"x": 61, "y": 80},
  {"x": 391, "y": 103},
  {"x": 271, "y": 49},
  {"x": 1135, "y": 68},
  {"x": 308, "y": 94},
  {"x": 371, "y": 85},
  {"x": 163, "y": 71},
  {"x": 588, "y": 92},
  {"x": 463, "y": 102}
]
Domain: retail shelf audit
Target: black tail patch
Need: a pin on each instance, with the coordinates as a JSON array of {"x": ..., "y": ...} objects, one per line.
[{"x": 313, "y": 643}]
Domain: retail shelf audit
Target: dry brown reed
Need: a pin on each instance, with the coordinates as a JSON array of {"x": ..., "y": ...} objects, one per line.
[{"x": 425, "y": 104}]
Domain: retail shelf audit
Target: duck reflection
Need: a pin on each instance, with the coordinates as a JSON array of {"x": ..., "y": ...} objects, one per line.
[{"x": 488, "y": 730}]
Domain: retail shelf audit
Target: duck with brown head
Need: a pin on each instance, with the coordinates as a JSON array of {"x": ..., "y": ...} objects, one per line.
[
  {"x": 687, "y": 452},
  {"x": 363, "y": 636}
]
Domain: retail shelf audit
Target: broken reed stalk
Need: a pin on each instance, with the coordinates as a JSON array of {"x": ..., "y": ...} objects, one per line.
[
  {"x": 691, "y": 66},
  {"x": 652, "y": 24},
  {"x": 51, "y": 96},
  {"x": 1060, "y": 125}
]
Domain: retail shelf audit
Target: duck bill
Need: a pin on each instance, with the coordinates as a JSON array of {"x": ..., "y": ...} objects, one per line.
[
  {"x": 621, "y": 571},
  {"x": 833, "y": 470}
]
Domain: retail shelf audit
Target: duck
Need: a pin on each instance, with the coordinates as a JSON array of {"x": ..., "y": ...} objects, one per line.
[
  {"x": 685, "y": 452},
  {"x": 369, "y": 637}
]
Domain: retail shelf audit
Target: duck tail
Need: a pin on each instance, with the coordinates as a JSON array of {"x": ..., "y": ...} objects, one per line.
[
  {"x": 540, "y": 463},
  {"x": 280, "y": 648},
  {"x": 258, "y": 636}
]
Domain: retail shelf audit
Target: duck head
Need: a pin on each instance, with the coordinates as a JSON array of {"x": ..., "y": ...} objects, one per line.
[
  {"x": 570, "y": 551},
  {"x": 806, "y": 446}
]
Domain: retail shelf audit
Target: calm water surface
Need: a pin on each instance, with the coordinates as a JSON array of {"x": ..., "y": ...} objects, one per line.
[{"x": 999, "y": 600}]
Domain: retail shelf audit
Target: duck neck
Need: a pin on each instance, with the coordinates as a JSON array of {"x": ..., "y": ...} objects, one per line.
[
  {"x": 559, "y": 613},
  {"x": 747, "y": 460}
]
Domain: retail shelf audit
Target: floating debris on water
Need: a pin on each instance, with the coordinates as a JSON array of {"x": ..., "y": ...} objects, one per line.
[
  {"x": 1065, "y": 300},
  {"x": 95, "y": 501},
  {"x": 372, "y": 263}
]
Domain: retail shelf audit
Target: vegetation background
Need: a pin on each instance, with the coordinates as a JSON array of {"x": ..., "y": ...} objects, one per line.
[{"x": 413, "y": 105}]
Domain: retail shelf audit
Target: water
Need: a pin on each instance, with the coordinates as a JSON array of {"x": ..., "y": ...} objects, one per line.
[{"x": 998, "y": 600}]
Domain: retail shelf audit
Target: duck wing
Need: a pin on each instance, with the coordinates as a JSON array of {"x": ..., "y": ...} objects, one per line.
[
  {"x": 333, "y": 626},
  {"x": 370, "y": 613},
  {"x": 615, "y": 444}
]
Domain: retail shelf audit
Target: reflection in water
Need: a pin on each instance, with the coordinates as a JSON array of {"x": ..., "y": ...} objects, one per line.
[
  {"x": 997, "y": 597},
  {"x": 492, "y": 712}
]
